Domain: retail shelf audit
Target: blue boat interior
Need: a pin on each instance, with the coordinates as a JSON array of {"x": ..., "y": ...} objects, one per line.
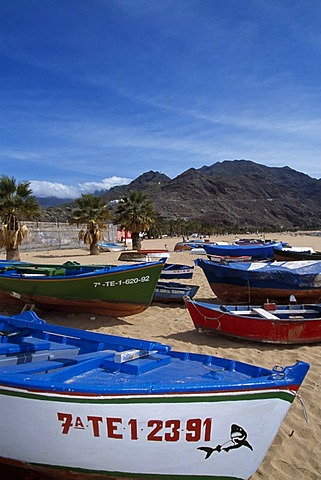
[
  {"x": 37, "y": 355},
  {"x": 67, "y": 269}
]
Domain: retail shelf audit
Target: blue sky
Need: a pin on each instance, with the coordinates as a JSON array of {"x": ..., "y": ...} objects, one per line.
[{"x": 96, "y": 92}]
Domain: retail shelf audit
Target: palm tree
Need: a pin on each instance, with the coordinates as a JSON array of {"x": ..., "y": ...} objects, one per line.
[
  {"x": 16, "y": 201},
  {"x": 94, "y": 212},
  {"x": 135, "y": 214}
]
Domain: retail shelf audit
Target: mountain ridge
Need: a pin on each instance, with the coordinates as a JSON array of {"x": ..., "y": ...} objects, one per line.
[{"x": 230, "y": 193}]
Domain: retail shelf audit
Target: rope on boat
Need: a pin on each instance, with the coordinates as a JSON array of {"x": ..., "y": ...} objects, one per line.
[
  {"x": 304, "y": 409},
  {"x": 205, "y": 317},
  {"x": 277, "y": 373}
]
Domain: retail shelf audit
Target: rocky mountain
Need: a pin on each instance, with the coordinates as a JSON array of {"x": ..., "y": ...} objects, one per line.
[
  {"x": 231, "y": 194},
  {"x": 46, "y": 202}
]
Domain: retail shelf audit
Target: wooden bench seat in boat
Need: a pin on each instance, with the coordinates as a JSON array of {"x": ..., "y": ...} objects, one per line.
[
  {"x": 55, "y": 363},
  {"x": 268, "y": 313},
  {"x": 255, "y": 310},
  {"x": 28, "y": 345},
  {"x": 33, "y": 345},
  {"x": 265, "y": 313}
]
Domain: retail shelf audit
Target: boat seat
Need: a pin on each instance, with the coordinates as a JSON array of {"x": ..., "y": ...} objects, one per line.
[
  {"x": 136, "y": 362},
  {"x": 32, "y": 357},
  {"x": 265, "y": 313},
  {"x": 30, "y": 345},
  {"x": 73, "y": 363},
  {"x": 299, "y": 311}
]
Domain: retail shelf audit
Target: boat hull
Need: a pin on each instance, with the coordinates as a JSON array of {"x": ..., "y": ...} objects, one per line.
[
  {"x": 232, "y": 293},
  {"x": 173, "y": 270},
  {"x": 116, "y": 437},
  {"x": 171, "y": 292},
  {"x": 212, "y": 319},
  {"x": 143, "y": 256},
  {"x": 254, "y": 282},
  {"x": 118, "y": 292},
  {"x": 88, "y": 405},
  {"x": 111, "y": 247},
  {"x": 289, "y": 255},
  {"x": 259, "y": 251}
]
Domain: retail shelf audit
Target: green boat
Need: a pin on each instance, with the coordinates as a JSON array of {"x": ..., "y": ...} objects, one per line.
[{"x": 113, "y": 290}]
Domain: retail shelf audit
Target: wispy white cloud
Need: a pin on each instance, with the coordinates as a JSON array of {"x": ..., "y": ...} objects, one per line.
[{"x": 61, "y": 190}]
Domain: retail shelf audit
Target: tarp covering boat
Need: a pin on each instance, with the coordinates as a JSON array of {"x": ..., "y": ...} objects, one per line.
[{"x": 258, "y": 281}]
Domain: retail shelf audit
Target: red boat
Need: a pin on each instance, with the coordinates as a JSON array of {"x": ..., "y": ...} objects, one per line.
[{"x": 270, "y": 323}]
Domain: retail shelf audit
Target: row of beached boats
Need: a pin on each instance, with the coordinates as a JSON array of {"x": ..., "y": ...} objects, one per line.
[
  {"x": 249, "y": 249},
  {"x": 262, "y": 299},
  {"x": 79, "y": 404}
]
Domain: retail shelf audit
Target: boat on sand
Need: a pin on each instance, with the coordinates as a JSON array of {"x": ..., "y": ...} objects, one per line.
[
  {"x": 292, "y": 255},
  {"x": 258, "y": 251},
  {"x": 177, "y": 270},
  {"x": 270, "y": 323},
  {"x": 257, "y": 282},
  {"x": 79, "y": 404},
  {"x": 174, "y": 292},
  {"x": 144, "y": 255},
  {"x": 119, "y": 290},
  {"x": 111, "y": 246}
]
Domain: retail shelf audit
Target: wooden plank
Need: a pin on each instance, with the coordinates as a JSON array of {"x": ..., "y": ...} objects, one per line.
[
  {"x": 265, "y": 313},
  {"x": 288, "y": 311},
  {"x": 128, "y": 355}
]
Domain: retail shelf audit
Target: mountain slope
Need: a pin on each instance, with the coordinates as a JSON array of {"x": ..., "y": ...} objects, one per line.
[{"x": 238, "y": 193}]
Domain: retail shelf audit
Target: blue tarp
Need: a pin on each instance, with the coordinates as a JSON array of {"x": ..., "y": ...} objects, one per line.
[{"x": 305, "y": 274}]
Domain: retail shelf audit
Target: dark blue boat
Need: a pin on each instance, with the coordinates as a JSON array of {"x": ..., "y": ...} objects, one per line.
[
  {"x": 257, "y": 282},
  {"x": 257, "y": 251},
  {"x": 173, "y": 292},
  {"x": 176, "y": 270}
]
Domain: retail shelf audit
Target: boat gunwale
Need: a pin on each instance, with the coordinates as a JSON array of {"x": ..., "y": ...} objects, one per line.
[{"x": 13, "y": 274}]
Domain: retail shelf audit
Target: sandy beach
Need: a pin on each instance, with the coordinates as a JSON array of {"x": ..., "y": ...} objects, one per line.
[{"x": 296, "y": 451}]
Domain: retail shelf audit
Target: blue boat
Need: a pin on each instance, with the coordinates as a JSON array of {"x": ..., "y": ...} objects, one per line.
[
  {"x": 255, "y": 251},
  {"x": 173, "y": 292},
  {"x": 176, "y": 270},
  {"x": 111, "y": 246},
  {"x": 80, "y": 404},
  {"x": 257, "y": 282}
]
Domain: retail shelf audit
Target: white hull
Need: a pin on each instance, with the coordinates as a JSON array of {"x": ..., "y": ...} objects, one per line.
[{"x": 155, "y": 435}]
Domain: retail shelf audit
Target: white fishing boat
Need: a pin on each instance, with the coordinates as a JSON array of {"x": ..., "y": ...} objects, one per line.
[{"x": 86, "y": 405}]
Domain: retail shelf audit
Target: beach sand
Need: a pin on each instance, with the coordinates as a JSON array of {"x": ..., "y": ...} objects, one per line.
[{"x": 296, "y": 450}]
